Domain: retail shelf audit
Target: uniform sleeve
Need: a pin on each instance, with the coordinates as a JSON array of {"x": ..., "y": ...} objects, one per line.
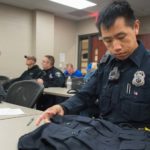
[
  {"x": 25, "y": 76},
  {"x": 38, "y": 74},
  {"x": 83, "y": 97},
  {"x": 57, "y": 81}
]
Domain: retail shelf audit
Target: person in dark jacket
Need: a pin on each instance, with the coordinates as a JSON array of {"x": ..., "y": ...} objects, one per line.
[
  {"x": 122, "y": 81},
  {"x": 53, "y": 77},
  {"x": 33, "y": 72},
  {"x": 122, "y": 85}
]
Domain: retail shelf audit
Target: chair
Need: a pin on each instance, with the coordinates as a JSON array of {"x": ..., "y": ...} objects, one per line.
[
  {"x": 24, "y": 93},
  {"x": 3, "y": 79}
]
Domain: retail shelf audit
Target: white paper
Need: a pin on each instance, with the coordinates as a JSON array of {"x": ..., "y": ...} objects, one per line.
[
  {"x": 10, "y": 111},
  {"x": 62, "y": 57}
]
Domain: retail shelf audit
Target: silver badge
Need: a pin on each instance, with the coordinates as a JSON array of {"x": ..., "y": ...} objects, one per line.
[
  {"x": 58, "y": 74},
  {"x": 50, "y": 76},
  {"x": 139, "y": 78},
  {"x": 114, "y": 74}
]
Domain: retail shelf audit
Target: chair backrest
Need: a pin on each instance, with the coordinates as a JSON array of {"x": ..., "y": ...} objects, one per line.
[
  {"x": 3, "y": 79},
  {"x": 24, "y": 93},
  {"x": 77, "y": 83}
]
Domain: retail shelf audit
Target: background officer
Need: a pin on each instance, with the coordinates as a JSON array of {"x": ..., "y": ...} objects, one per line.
[
  {"x": 122, "y": 81},
  {"x": 52, "y": 77},
  {"x": 33, "y": 72}
]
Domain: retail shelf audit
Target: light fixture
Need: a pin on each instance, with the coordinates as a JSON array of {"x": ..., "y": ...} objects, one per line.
[{"x": 78, "y": 4}]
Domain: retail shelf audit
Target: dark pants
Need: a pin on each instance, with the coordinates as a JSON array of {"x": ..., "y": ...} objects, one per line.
[{"x": 46, "y": 101}]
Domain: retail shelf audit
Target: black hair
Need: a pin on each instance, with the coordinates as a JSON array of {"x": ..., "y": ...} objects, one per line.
[
  {"x": 118, "y": 8},
  {"x": 51, "y": 59}
]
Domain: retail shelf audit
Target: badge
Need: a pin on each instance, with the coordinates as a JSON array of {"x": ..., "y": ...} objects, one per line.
[
  {"x": 31, "y": 73},
  {"x": 58, "y": 74},
  {"x": 114, "y": 74},
  {"x": 139, "y": 78},
  {"x": 50, "y": 76}
]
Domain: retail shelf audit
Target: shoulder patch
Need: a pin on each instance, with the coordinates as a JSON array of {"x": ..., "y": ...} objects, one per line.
[
  {"x": 58, "y": 74},
  {"x": 105, "y": 58}
]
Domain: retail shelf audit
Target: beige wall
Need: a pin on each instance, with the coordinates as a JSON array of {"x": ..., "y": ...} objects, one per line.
[
  {"x": 15, "y": 39},
  {"x": 145, "y": 25},
  {"x": 35, "y": 32},
  {"x": 86, "y": 26},
  {"x": 65, "y": 41},
  {"x": 32, "y": 32},
  {"x": 43, "y": 34}
]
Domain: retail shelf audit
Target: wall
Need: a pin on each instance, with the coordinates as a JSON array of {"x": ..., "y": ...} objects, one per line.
[
  {"x": 65, "y": 41},
  {"x": 35, "y": 32},
  {"x": 86, "y": 26},
  {"x": 145, "y": 25},
  {"x": 43, "y": 34},
  {"x": 15, "y": 39}
]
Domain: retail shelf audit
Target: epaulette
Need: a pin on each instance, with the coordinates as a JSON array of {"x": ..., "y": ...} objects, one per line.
[{"x": 105, "y": 58}]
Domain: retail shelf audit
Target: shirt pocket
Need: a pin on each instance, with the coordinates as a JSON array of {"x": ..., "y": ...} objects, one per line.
[
  {"x": 135, "y": 103},
  {"x": 105, "y": 100}
]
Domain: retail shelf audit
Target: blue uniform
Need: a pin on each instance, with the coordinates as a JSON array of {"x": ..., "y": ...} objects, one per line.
[
  {"x": 53, "y": 77},
  {"x": 123, "y": 98},
  {"x": 77, "y": 73}
]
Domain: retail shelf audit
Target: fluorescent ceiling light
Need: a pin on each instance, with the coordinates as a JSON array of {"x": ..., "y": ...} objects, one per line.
[{"x": 78, "y": 4}]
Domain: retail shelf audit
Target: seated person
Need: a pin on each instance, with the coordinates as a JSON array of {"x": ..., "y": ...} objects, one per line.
[
  {"x": 33, "y": 72},
  {"x": 90, "y": 71},
  {"x": 70, "y": 71},
  {"x": 53, "y": 77}
]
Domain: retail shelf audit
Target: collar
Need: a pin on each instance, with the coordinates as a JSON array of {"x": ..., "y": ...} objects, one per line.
[
  {"x": 33, "y": 67},
  {"x": 50, "y": 69},
  {"x": 138, "y": 54}
]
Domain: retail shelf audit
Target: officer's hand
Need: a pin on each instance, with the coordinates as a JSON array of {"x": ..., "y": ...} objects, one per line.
[
  {"x": 49, "y": 113},
  {"x": 40, "y": 81}
]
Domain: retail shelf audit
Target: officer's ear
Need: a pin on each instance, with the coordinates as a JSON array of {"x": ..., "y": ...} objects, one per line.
[{"x": 136, "y": 26}]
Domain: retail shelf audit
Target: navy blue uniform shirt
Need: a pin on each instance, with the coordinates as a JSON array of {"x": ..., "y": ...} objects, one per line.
[
  {"x": 32, "y": 73},
  {"x": 53, "y": 78},
  {"x": 126, "y": 99}
]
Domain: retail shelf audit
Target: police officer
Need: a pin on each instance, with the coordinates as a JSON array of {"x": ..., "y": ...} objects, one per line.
[
  {"x": 122, "y": 81},
  {"x": 52, "y": 77},
  {"x": 33, "y": 72}
]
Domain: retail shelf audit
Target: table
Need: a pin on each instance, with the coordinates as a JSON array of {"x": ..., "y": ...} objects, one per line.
[
  {"x": 12, "y": 129},
  {"x": 27, "y": 111},
  {"x": 14, "y": 126},
  {"x": 58, "y": 91}
]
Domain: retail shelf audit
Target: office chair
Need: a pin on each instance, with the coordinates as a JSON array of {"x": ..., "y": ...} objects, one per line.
[
  {"x": 24, "y": 93},
  {"x": 3, "y": 79}
]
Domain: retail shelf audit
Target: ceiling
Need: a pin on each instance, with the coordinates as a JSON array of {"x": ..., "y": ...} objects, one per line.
[{"x": 141, "y": 7}]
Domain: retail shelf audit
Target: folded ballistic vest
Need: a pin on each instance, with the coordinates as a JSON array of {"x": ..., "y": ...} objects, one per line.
[{"x": 83, "y": 133}]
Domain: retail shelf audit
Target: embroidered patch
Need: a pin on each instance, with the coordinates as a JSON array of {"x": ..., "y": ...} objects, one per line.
[
  {"x": 58, "y": 74},
  {"x": 50, "y": 76}
]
